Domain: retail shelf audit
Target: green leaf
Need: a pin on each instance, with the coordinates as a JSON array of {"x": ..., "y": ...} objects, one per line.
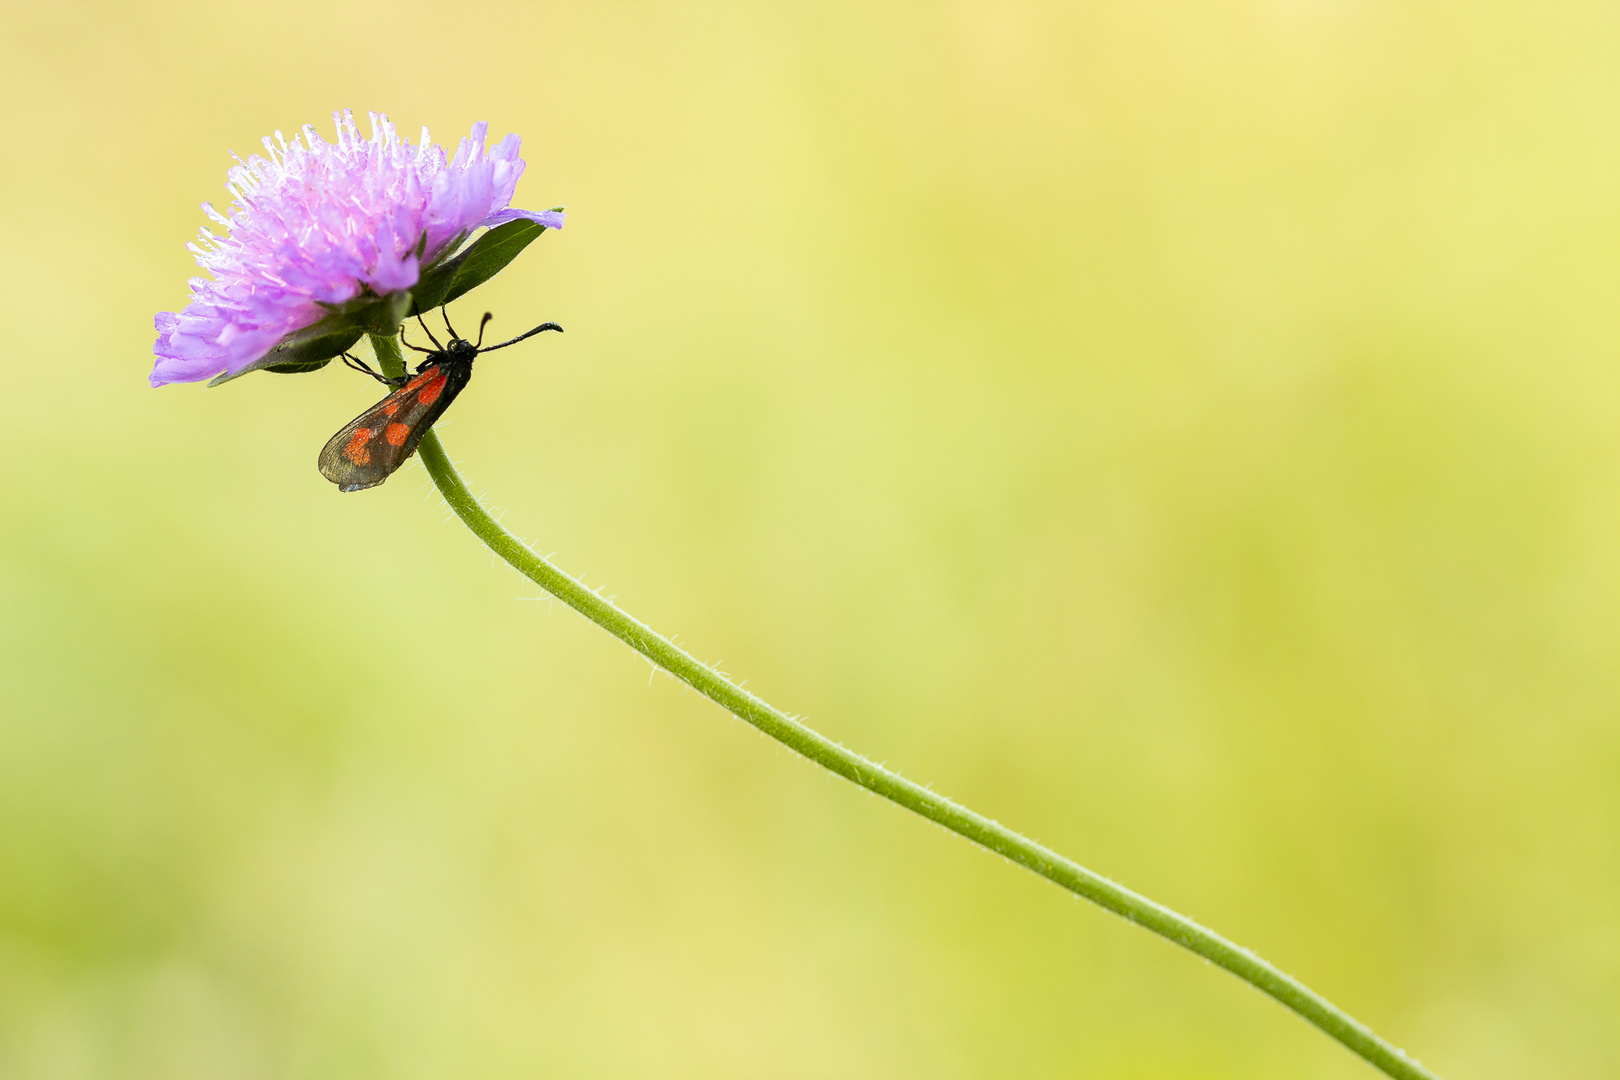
[
  {"x": 309, "y": 349},
  {"x": 313, "y": 347},
  {"x": 435, "y": 282},
  {"x": 385, "y": 315},
  {"x": 483, "y": 259},
  {"x": 430, "y": 290},
  {"x": 490, "y": 254},
  {"x": 297, "y": 367}
]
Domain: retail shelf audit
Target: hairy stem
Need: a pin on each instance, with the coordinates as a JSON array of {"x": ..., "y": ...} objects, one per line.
[{"x": 823, "y": 751}]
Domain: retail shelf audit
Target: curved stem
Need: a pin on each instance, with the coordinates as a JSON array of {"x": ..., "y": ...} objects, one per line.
[{"x": 875, "y": 778}]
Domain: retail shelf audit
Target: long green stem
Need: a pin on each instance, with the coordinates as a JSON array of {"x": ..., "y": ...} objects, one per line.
[{"x": 852, "y": 766}]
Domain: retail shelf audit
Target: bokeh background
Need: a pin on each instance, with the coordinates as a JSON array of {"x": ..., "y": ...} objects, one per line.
[{"x": 1187, "y": 432}]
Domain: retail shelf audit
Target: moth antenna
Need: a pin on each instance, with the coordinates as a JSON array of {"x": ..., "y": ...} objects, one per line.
[
  {"x": 445, "y": 313},
  {"x": 481, "y": 324},
  {"x": 520, "y": 337}
]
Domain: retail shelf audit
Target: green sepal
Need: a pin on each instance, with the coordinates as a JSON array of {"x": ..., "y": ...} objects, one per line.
[
  {"x": 483, "y": 259},
  {"x": 385, "y": 315},
  {"x": 297, "y": 367},
  {"x": 315, "y": 346}
]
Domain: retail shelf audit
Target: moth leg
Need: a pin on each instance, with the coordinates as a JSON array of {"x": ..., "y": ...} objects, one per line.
[
  {"x": 423, "y": 323},
  {"x": 364, "y": 368},
  {"x": 408, "y": 345}
]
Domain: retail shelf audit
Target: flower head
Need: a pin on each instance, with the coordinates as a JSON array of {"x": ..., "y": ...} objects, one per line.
[{"x": 316, "y": 224}]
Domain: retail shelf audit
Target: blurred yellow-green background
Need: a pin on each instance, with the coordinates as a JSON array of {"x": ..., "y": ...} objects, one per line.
[{"x": 1187, "y": 432}]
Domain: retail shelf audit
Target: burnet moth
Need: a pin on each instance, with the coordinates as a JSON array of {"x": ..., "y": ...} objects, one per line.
[{"x": 381, "y": 439}]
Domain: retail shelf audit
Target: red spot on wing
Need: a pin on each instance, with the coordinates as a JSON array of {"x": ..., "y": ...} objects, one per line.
[
  {"x": 390, "y": 407},
  {"x": 357, "y": 451},
  {"x": 432, "y": 388},
  {"x": 396, "y": 434}
]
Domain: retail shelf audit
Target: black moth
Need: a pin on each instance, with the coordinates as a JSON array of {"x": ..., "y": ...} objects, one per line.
[{"x": 381, "y": 439}]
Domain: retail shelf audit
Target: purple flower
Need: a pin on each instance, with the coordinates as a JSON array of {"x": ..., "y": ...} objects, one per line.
[{"x": 319, "y": 223}]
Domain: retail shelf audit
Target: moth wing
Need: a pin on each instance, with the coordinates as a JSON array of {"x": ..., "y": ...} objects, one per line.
[
  {"x": 381, "y": 439},
  {"x": 354, "y": 458}
]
